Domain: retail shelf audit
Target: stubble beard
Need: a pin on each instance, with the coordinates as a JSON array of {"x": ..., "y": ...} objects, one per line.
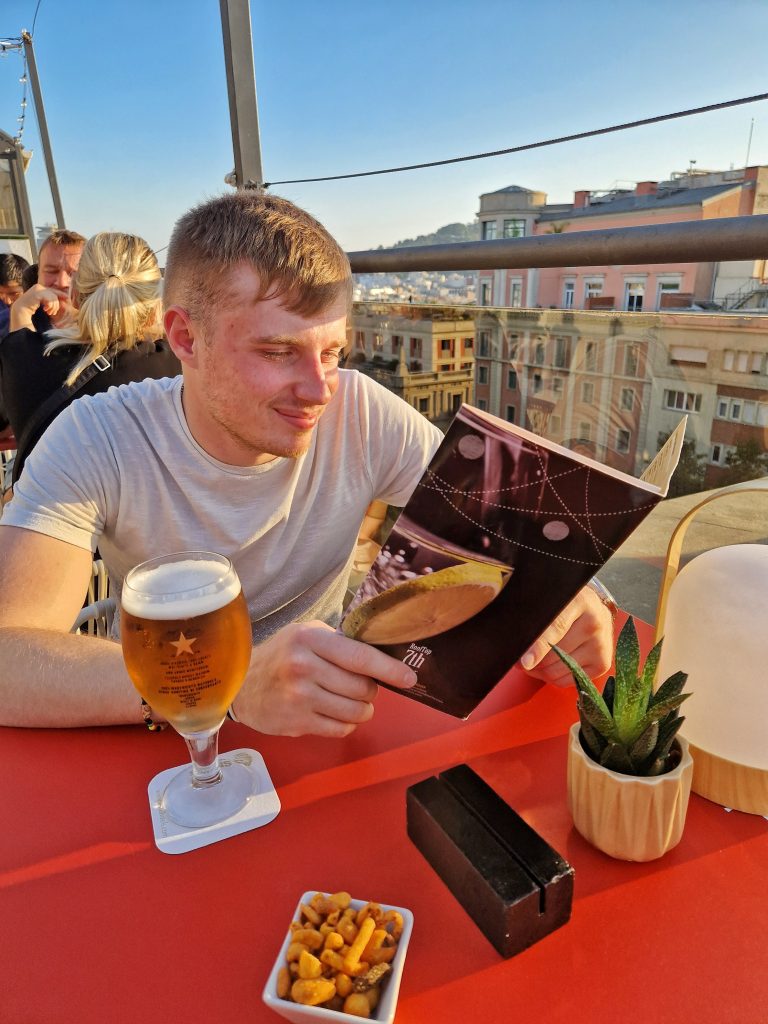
[{"x": 256, "y": 447}]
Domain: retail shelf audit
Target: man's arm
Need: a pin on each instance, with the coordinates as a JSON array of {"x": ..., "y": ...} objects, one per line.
[
  {"x": 49, "y": 677},
  {"x": 306, "y": 679}
]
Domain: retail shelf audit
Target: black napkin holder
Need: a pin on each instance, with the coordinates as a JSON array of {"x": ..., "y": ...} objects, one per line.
[{"x": 511, "y": 882}]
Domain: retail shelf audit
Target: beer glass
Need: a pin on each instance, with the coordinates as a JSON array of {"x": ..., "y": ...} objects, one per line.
[{"x": 186, "y": 637}]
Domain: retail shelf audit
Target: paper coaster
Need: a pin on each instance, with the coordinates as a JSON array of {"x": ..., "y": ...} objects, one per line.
[{"x": 260, "y": 809}]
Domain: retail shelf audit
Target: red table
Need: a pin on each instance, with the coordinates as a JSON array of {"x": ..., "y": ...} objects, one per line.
[{"x": 98, "y": 925}]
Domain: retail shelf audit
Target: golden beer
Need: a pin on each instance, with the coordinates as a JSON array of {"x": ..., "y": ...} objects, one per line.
[{"x": 186, "y": 637}]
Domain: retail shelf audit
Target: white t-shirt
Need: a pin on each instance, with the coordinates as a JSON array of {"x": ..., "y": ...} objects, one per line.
[{"x": 121, "y": 471}]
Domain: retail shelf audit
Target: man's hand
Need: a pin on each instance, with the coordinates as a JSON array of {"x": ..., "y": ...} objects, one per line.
[
  {"x": 52, "y": 300},
  {"x": 583, "y": 629},
  {"x": 310, "y": 679}
]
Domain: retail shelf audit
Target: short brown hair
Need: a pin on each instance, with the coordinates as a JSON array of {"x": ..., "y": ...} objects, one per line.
[
  {"x": 61, "y": 236},
  {"x": 293, "y": 254}
]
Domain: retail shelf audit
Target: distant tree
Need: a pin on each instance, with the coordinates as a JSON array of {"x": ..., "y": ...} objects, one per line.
[
  {"x": 688, "y": 477},
  {"x": 558, "y": 227},
  {"x": 746, "y": 462}
]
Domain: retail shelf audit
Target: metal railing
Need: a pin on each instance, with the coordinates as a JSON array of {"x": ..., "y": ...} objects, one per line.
[{"x": 718, "y": 240}]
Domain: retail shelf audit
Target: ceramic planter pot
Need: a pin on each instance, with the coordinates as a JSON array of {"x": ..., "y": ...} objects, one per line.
[{"x": 626, "y": 816}]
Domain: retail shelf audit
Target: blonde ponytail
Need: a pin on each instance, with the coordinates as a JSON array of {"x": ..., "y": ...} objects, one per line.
[{"x": 116, "y": 291}]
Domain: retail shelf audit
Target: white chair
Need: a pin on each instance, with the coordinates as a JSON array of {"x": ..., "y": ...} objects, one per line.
[
  {"x": 7, "y": 457},
  {"x": 97, "y": 616},
  {"x": 96, "y": 619}
]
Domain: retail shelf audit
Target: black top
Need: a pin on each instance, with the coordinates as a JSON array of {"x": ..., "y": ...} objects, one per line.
[{"x": 28, "y": 377}]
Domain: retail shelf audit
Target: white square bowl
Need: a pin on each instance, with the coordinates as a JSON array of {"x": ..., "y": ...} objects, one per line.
[{"x": 299, "y": 1014}]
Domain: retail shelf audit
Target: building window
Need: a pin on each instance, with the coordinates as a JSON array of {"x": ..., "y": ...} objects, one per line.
[
  {"x": 467, "y": 345},
  {"x": 510, "y": 414},
  {"x": 483, "y": 345},
  {"x": 446, "y": 345},
  {"x": 568, "y": 289},
  {"x": 555, "y": 425},
  {"x": 634, "y": 292},
  {"x": 489, "y": 230},
  {"x": 631, "y": 360},
  {"x": 742, "y": 358},
  {"x": 424, "y": 405},
  {"x": 397, "y": 342},
  {"x": 585, "y": 431},
  {"x": 728, "y": 359},
  {"x": 718, "y": 454},
  {"x": 623, "y": 438},
  {"x": 748, "y": 415},
  {"x": 757, "y": 362},
  {"x": 514, "y": 227},
  {"x": 416, "y": 348},
  {"x": 684, "y": 401},
  {"x": 666, "y": 288},
  {"x": 485, "y": 293},
  {"x": 482, "y": 404},
  {"x": 563, "y": 352},
  {"x": 538, "y": 353},
  {"x": 456, "y": 401},
  {"x": 516, "y": 294},
  {"x": 591, "y": 290},
  {"x": 378, "y": 344},
  {"x": 511, "y": 380},
  {"x": 538, "y": 383},
  {"x": 628, "y": 398},
  {"x": 587, "y": 392},
  {"x": 590, "y": 356},
  {"x": 735, "y": 413},
  {"x": 360, "y": 340},
  {"x": 557, "y": 385},
  {"x": 482, "y": 375}
]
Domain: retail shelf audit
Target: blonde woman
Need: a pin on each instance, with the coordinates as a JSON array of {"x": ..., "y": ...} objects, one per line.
[{"x": 112, "y": 336}]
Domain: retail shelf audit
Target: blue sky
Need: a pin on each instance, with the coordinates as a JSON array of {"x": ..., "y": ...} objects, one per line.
[{"x": 136, "y": 101}]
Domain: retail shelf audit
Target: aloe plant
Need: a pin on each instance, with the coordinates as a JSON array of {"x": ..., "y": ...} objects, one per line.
[{"x": 629, "y": 728}]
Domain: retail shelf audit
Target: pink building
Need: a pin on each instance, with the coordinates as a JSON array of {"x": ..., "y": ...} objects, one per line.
[{"x": 698, "y": 195}]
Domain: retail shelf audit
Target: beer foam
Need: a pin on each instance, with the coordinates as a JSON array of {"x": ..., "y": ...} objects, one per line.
[{"x": 180, "y": 590}]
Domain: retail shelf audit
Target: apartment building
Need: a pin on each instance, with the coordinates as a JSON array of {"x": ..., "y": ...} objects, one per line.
[
  {"x": 424, "y": 354},
  {"x": 615, "y": 384},
  {"x": 514, "y": 212}
]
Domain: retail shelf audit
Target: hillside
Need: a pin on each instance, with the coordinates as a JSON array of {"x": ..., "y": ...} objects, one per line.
[{"x": 443, "y": 236}]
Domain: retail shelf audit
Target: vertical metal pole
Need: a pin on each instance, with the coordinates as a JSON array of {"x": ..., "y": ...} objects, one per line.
[
  {"x": 241, "y": 88},
  {"x": 45, "y": 141}
]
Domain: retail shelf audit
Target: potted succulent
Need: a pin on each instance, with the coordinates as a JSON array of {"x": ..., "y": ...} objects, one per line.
[{"x": 629, "y": 773}]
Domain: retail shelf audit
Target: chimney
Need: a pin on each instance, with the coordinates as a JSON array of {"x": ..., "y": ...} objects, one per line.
[
  {"x": 646, "y": 188},
  {"x": 580, "y": 199}
]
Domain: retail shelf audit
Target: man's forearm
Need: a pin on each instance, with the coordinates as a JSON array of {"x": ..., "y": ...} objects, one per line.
[{"x": 54, "y": 679}]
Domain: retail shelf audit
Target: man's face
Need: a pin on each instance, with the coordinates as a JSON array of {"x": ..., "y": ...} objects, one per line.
[
  {"x": 263, "y": 376},
  {"x": 58, "y": 264},
  {"x": 10, "y": 292}
]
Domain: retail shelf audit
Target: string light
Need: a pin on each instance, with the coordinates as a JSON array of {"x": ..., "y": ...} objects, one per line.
[{"x": 23, "y": 80}]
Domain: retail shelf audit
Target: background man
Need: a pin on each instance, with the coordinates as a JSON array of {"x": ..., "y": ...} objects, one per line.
[
  {"x": 265, "y": 450},
  {"x": 58, "y": 259}
]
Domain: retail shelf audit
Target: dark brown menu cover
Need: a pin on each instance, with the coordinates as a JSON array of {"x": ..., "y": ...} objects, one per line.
[{"x": 502, "y": 531}]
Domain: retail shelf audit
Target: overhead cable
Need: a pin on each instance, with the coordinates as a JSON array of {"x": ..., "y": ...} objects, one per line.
[{"x": 532, "y": 145}]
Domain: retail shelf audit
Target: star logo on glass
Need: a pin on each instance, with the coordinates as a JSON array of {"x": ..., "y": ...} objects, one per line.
[{"x": 183, "y": 645}]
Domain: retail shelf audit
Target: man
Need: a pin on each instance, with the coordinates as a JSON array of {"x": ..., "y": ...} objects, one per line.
[
  {"x": 58, "y": 259},
  {"x": 12, "y": 269},
  {"x": 263, "y": 450}
]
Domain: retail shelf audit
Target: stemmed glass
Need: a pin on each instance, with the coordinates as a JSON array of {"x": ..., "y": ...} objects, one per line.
[{"x": 186, "y": 637}]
